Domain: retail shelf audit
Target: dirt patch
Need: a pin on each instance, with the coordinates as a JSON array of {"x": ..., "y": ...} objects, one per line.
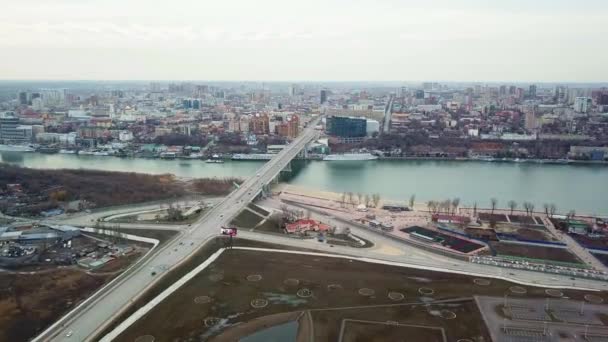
[
  {"x": 246, "y": 219},
  {"x": 534, "y": 252},
  {"x": 534, "y": 234},
  {"x": 31, "y": 302}
]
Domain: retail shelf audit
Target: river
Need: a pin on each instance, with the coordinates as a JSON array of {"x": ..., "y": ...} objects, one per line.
[{"x": 580, "y": 187}]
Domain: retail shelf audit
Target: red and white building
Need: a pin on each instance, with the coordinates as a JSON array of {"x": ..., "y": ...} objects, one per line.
[{"x": 304, "y": 225}]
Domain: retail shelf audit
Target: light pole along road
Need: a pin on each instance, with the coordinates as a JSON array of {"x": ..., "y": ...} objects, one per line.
[{"x": 87, "y": 320}]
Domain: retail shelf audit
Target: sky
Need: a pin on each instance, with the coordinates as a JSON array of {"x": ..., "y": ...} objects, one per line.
[{"x": 306, "y": 40}]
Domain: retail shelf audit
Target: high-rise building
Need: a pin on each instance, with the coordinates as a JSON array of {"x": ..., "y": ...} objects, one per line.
[
  {"x": 154, "y": 87},
  {"x": 582, "y": 104},
  {"x": 37, "y": 103},
  {"x": 519, "y": 93},
  {"x": 532, "y": 91},
  {"x": 346, "y": 127},
  {"x": 259, "y": 124},
  {"x": 531, "y": 122},
  {"x": 290, "y": 127},
  {"x": 23, "y": 98},
  {"x": 292, "y": 90},
  {"x": 323, "y": 96},
  {"x": 503, "y": 90}
]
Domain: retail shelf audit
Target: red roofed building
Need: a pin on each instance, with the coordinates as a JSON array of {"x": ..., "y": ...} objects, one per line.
[{"x": 304, "y": 225}]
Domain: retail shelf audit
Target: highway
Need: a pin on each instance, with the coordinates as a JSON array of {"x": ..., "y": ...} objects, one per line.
[{"x": 85, "y": 322}]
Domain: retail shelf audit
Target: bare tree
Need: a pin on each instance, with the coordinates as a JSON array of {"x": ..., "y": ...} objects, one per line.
[
  {"x": 350, "y": 197},
  {"x": 531, "y": 205},
  {"x": 552, "y": 209},
  {"x": 343, "y": 198},
  {"x": 512, "y": 205},
  {"x": 429, "y": 205},
  {"x": 412, "y": 200},
  {"x": 494, "y": 203},
  {"x": 368, "y": 199},
  {"x": 526, "y": 206},
  {"x": 455, "y": 204},
  {"x": 359, "y": 197},
  {"x": 376, "y": 200},
  {"x": 570, "y": 216},
  {"x": 546, "y": 207},
  {"x": 475, "y": 209}
]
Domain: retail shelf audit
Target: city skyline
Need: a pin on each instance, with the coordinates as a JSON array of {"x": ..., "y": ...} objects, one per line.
[{"x": 459, "y": 41}]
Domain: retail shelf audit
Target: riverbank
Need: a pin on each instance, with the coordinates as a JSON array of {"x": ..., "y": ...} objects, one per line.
[
  {"x": 570, "y": 186},
  {"x": 504, "y": 160}
]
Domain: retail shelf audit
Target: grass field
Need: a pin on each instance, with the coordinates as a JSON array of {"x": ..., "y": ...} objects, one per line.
[{"x": 338, "y": 289}]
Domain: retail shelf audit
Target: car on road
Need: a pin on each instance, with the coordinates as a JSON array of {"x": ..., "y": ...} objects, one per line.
[{"x": 69, "y": 333}]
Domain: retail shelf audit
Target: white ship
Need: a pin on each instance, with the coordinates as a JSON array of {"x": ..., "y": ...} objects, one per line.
[
  {"x": 350, "y": 156},
  {"x": 16, "y": 148},
  {"x": 214, "y": 161},
  {"x": 64, "y": 151}
]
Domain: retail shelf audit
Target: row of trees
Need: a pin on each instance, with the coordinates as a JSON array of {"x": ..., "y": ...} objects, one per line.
[
  {"x": 550, "y": 209},
  {"x": 372, "y": 200},
  {"x": 447, "y": 206},
  {"x": 350, "y": 198}
]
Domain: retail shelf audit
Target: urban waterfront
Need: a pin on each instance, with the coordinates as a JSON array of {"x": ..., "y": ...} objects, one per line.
[{"x": 579, "y": 187}]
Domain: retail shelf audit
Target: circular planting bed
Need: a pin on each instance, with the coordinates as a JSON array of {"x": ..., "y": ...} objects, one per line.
[
  {"x": 447, "y": 314},
  {"x": 518, "y": 290},
  {"x": 291, "y": 282},
  {"x": 304, "y": 293},
  {"x": 259, "y": 303},
  {"x": 145, "y": 338},
  {"x": 202, "y": 299},
  {"x": 482, "y": 282},
  {"x": 396, "y": 296},
  {"x": 593, "y": 299},
  {"x": 366, "y": 292},
  {"x": 333, "y": 287},
  {"x": 554, "y": 293},
  {"x": 427, "y": 291},
  {"x": 211, "y": 321},
  {"x": 254, "y": 277},
  {"x": 216, "y": 277}
]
